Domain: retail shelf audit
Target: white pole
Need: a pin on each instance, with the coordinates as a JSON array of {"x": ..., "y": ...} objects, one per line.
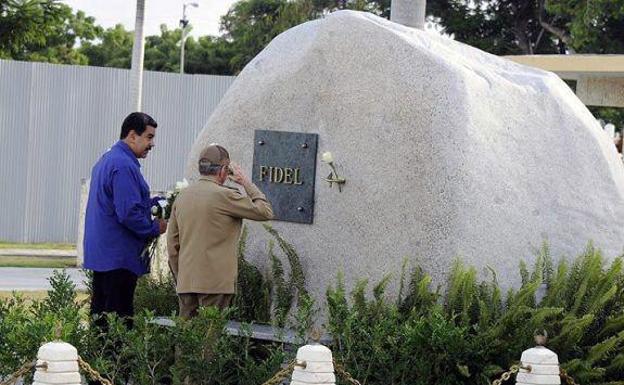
[
  {"x": 184, "y": 24},
  {"x": 182, "y": 50},
  {"x": 138, "y": 50},
  {"x": 410, "y": 13}
]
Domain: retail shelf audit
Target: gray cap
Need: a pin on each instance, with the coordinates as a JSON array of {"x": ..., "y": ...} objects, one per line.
[{"x": 214, "y": 155}]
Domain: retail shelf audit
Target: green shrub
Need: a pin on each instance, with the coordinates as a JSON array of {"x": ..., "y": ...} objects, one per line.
[
  {"x": 252, "y": 301},
  {"x": 156, "y": 296},
  {"x": 147, "y": 354},
  {"x": 26, "y": 325},
  {"x": 470, "y": 334}
]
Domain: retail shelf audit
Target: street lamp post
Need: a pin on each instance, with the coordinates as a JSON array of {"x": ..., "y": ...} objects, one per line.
[{"x": 184, "y": 23}]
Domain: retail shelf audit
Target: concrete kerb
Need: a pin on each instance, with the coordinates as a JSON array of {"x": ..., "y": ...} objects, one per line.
[
  {"x": 258, "y": 332},
  {"x": 51, "y": 253}
]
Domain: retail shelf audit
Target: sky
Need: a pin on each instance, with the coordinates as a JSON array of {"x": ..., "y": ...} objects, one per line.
[{"x": 204, "y": 19}]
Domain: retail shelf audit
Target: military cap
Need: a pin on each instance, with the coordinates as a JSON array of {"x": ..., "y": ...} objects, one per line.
[{"x": 214, "y": 155}]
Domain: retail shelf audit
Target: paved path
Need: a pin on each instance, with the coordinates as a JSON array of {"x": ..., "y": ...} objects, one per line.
[
  {"x": 38, "y": 253},
  {"x": 21, "y": 278}
]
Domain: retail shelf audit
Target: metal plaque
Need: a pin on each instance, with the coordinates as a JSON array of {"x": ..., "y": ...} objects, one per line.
[{"x": 284, "y": 168}]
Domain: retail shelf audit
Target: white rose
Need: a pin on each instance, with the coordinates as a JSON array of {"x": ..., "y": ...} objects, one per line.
[
  {"x": 155, "y": 210},
  {"x": 182, "y": 184},
  {"x": 327, "y": 157}
]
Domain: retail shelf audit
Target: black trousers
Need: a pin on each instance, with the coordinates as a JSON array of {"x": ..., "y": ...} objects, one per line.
[{"x": 113, "y": 292}]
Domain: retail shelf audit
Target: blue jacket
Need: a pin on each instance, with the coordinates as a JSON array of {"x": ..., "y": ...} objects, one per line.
[{"x": 118, "y": 222}]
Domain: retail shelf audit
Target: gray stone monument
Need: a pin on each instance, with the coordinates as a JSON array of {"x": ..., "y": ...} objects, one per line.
[{"x": 447, "y": 152}]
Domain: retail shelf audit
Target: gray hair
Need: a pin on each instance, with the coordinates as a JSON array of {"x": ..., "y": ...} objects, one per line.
[{"x": 207, "y": 168}]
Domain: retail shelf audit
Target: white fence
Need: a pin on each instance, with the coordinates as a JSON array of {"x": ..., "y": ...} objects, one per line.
[{"x": 56, "y": 120}]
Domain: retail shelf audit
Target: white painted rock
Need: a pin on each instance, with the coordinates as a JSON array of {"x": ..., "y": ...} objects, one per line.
[
  {"x": 57, "y": 378},
  {"x": 538, "y": 379},
  {"x": 318, "y": 366},
  {"x": 301, "y": 383},
  {"x": 59, "y": 366},
  {"x": 43, "y": 383},
  {"x": 314, "y": 353},
  {"x": 541, "y": 369},
  {"x": 57, "y": 351},
  {"x": 447, "y": 151},
  {"x": 539, "y": 355},
  {"x": 308, "y": 377}
]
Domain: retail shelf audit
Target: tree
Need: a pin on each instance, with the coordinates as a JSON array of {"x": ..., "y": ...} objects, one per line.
[
  {"x": 43, "y": 30},
  {"x": 595, "y": 26},
  {"x": 114, "y": 48},
  {"x": 251, "y": 24},
  {"x": 162, "y": 53}
]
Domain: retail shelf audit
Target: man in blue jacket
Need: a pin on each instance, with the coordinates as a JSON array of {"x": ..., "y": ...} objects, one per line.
[{"x": 118, "y": 222}]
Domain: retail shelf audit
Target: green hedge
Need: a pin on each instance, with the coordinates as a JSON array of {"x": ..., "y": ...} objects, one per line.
[
  {"x": 468, "y": 333},
  {"x": 473, "y": 332},
  {"x": 198, "y": 350}
]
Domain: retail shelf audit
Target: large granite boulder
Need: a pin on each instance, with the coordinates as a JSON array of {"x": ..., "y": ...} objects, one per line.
[{"x": 448, "y": 152}]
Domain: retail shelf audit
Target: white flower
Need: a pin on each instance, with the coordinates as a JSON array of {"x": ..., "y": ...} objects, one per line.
[
  {"x": 163, "y": 203},
  {"x": 155, "y": 210},
  {"x": 327, "y": 157},
  {"x": 182, "y": 184},
  {"x": 169, "y": 194}
]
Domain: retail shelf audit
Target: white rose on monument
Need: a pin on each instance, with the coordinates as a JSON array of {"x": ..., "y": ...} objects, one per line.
[{"x": 327, "y": 157}]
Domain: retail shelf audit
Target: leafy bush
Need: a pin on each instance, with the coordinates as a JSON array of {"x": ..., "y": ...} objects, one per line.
[
  {"x": 473, "y": 332},
  {"x": 26, "y": 325},
  {"x": 198, "y": 350},
  {"x": 156, "y": 296},
  {"x": 467, "y": 334}
]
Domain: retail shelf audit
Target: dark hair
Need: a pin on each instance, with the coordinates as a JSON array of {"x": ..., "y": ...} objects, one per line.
[{"x": 136, "y": 121}]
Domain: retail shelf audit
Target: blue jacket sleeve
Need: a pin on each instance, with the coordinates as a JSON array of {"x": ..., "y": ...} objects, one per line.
[{"x": 129, "y": 205}]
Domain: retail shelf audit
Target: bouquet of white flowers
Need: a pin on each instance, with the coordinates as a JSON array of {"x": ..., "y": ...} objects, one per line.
[{"x": 162, "y": 210}]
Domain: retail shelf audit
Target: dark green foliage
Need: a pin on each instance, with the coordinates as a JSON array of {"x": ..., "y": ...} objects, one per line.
[
  {"x": 147, "y": 354},
  {"x": 470, "y": 334},
  {"x": 297, "y": 277},
  {"x": 25, "y": 325},
  {"x": 467, "y": 335},
  {"x": 157, "y": 297},
  {"x": 232, "y": 360},
  {"x": 283, "y": 292},
  {"x": 43, "y": 30},
  {"x": 288, "y": 290},
  {"x": 253, "y": 291}
]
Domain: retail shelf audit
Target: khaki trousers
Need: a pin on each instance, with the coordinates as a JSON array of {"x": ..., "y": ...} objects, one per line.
[{"x": 191, "y": 302}]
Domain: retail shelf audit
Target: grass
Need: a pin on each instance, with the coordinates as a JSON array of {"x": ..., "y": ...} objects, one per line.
[
  {"x": 36, "y": 295},
  {"x": 49, "y": 262},
  {"x": 38, "y": 246}
]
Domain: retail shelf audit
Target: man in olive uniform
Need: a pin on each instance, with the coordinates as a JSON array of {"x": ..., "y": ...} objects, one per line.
[{"x": 204, "y": 229}]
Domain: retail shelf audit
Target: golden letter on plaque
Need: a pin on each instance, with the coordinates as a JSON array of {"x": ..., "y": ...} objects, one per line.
[
  {"x": 298, "y": 176},
  {"x": 279, "y": 175},
  {"x": 263, "y": 172},
  {"x": 288, "y": 175}
]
